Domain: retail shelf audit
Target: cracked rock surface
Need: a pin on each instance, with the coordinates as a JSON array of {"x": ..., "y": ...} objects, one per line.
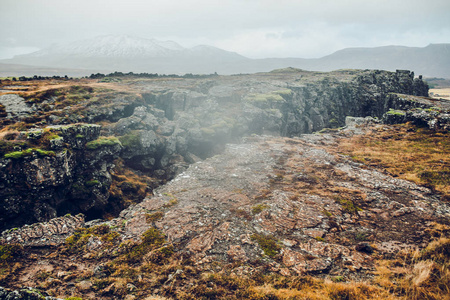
[{"x": 325, "y": 213}]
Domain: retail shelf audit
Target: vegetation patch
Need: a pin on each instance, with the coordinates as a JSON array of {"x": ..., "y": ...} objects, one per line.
[
  {"x": 127, "y": 187},
  {"x": 241, "y": 213},
  {"x": 29, "y": 152},
  {"x": 131, "y": 139},
  {"x": 267, "y": 243},
  {"x": 348, "y": 205},
  {"x": 423, "y": 274},
  {"x": 91, "y": 183},
  {"x": 76, "y": 243},
  {"x": 396, "y": 112},
  {"x": 150, "y": 218},
  {"x": 151, "y": 239},
  {"x": 172, "y": 200},
  {"x": 8, "y": 252},
  {"x": 103, "y": 141},
  {"x": 327, "y": 213},
  {"x": 416, "y": 154},
  {"x": 259, "y": 208}
]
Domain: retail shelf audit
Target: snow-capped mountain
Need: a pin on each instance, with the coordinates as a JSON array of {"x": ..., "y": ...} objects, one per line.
[{"x": 127, "y": 53}]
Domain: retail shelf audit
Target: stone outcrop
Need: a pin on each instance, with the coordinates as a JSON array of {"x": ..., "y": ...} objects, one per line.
[
  {"x": 53, "y": 232},
  {"x": 24, "y": 294},
  {"x": 14, "y": 106},
  {"x": 72, "y": 176},
  {"x": 223, "y": 204},
  {"x": 423, "y": 112}
]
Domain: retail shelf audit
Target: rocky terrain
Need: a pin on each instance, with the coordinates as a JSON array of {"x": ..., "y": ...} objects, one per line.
[
  {"x": 212, "y": 187},
  {"x": 68, "y": 161}
]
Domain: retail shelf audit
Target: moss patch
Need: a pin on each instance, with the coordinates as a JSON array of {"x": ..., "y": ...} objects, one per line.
[
  {"x": 267, "y": 243},
  {"x": 151, "y": 239},
  {"x": 395, "y": 112},
  {"x": 259, "y": 208},
  {"x": 131, "y": 139},
  {"x": 8, "y": 252},
  {"x": 150, "y": 218},
  {"x": 103, "y": 141},
  {"x": 29, "y": 152},
  {"x": 348, "y": 205},
  {"x": 77, "y": 242}
]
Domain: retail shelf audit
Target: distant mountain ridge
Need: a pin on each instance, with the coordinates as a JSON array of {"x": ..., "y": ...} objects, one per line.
[
  {"x": 132, "y": 54},
  {"x": 432, "y": 60},
  {"x": 113, "y": 46}
]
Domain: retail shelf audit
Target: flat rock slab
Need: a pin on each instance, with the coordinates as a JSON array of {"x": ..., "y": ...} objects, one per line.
[{"x": 15, "y": 105}]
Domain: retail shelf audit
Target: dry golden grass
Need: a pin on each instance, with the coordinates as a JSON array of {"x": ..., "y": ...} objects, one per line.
[
  {"x": 416, "y": 154},
  {"x": 128, "y": 187},
  {"x": 418, "y": 275},
  {"x": 323, "y": 291}
]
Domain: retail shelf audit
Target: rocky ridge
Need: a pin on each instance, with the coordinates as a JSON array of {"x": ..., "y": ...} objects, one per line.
[{"x": 171, "y": 124}]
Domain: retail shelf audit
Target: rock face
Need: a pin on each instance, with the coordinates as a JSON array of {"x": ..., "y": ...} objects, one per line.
[
  {"x": 431, "y": 113},
  {"x": 38, "y": 185},
  {"x": 172, "y": 124}
]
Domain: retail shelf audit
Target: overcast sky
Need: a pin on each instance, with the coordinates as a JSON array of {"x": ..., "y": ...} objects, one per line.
[{"x": 253, "y": 28}]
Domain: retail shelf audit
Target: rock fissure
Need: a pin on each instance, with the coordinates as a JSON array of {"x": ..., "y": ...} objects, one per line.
[{"x": 247, "y": 184}]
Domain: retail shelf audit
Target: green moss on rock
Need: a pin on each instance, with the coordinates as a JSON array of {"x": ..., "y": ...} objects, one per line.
[
  {"x": 131, "y": 139},
  {"x": 151, "y": 239},
  {"x": 396, "y": 112},
  {"x": 29, "y": 152},
  {"x": 102, "y": 141},
  {"x": 92, "y": 182}
]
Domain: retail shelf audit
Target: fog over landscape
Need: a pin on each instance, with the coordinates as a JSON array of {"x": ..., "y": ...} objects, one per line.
[{"x": 229, "y": 150}]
